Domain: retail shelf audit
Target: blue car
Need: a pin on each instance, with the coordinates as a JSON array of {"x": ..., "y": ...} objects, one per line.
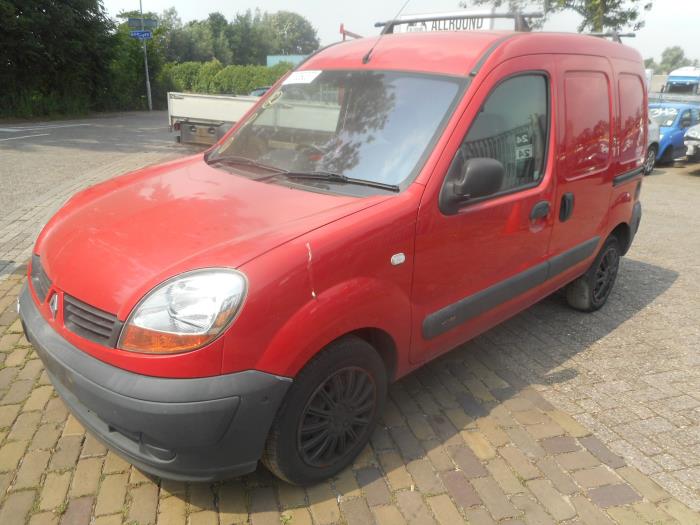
[{"x": 673, "y": 119}]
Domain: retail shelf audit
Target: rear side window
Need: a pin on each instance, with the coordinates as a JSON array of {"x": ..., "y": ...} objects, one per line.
[
  {"x": 631, "y": 118},
  {"x": 512, "y": 127},
  {"x": 587, "y": 127}
]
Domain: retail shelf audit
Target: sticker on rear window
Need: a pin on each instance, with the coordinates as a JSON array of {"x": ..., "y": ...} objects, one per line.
[{"x": 302, "y": 77}]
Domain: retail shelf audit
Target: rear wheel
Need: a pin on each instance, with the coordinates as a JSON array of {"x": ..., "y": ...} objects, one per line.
[
  {"x": 591, "y": 291},
  {"x": 329, "y": 413},
  {"x": 650, "y": 159}
]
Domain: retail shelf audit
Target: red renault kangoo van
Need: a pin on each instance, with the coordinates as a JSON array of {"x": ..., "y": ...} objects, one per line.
[{"x": 385, "y": 202}]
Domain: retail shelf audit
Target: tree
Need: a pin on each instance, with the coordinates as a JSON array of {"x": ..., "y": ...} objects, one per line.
[
  {"x": 650, "y": 63},
  {"x": 598, "y": 15},
  {"x": 290, "y": 33},
  {"x": 53, "y": 55},
  {"x": 673, "y": 58},
  {"x": 248, "y": 38}
]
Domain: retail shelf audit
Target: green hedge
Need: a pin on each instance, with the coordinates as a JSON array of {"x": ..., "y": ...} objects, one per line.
[
  {"x": 213, "y": 77},
  {"x": 126, "y": 90}
]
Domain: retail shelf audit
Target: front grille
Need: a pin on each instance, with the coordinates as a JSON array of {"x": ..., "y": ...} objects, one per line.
[
  {"x": 90, "y": 322},
  {"x": 40, "y": 281}
]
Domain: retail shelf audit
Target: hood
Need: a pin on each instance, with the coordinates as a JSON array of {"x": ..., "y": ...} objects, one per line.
[{"x": 113, "y": 242}]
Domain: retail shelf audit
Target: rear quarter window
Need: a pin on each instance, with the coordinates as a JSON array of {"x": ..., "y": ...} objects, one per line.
[
  {"x": 631, "y": 91},
  {"x": 587, "y": 122}
]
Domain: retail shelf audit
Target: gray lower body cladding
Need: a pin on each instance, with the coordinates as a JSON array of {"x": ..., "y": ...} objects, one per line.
[{"x": 186, "y": 429}]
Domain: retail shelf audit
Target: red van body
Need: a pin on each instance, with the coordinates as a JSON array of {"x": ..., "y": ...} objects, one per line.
[{"x": 411, "y": 271}]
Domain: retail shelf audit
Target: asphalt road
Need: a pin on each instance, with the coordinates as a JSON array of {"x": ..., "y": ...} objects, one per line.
[{"x": 38, "y": 156}]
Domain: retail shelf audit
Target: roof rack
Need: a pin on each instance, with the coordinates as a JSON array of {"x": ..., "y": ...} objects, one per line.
[
  {"x": 520, "y": 20},
  {"x": 616, "y": 37},
  {"x": 348, "y": 34}
]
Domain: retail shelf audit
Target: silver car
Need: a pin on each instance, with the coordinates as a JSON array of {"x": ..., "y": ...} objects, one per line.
[
  {"x": 652, "y": 147},
  {"x": 692, "y": 143}
]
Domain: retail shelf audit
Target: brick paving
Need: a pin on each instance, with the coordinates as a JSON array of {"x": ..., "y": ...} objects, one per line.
[
  {"x": 19, "y": 229},
  {"x": 553, "y": 417}
]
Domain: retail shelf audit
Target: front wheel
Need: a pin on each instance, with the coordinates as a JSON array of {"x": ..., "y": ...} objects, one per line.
[
  {"x": 329, "y": 413},
  {"x": 650, "y": 160},
  {"x": 590, "y": 292},
  {"x": 667, "y": 156}
]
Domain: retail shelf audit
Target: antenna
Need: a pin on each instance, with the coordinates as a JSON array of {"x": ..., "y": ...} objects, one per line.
[{"x": 367, "y": 57}]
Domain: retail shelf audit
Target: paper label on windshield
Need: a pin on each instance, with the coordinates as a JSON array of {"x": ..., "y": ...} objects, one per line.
[{"x": 302, "y": 77}]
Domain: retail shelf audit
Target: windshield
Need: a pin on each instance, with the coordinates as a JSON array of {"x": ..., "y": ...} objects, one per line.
[
  {"x": 664, "y": 117},
  {"x": 684, "y": 89},
  {"x": 369, "y": 125}
]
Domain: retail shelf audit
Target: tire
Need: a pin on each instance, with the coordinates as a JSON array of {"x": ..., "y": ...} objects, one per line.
[
  {"x": 650, "y": 159},
  {"x": 667, "y": 157},
  {"x": 590, "y": 292},
  {"x": 341, "y": 392}
]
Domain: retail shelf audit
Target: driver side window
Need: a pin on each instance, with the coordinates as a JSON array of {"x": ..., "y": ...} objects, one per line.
[{"x": 512, "y": 127}]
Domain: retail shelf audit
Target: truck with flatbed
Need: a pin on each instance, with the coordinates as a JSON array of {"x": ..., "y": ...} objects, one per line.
[{"x": 204, "y": 119}]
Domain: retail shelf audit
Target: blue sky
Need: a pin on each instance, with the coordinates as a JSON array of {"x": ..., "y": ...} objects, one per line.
[{"x": 670, "y": 22}]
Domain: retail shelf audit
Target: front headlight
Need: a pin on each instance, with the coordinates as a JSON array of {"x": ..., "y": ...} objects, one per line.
[{"x": 185, "y": 312}]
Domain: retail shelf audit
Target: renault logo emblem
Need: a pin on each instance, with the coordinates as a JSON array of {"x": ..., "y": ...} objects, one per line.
[{"x": 53, "y": 305}]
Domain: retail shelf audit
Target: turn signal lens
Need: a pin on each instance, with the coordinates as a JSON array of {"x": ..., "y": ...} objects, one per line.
[
  {"x": 184, "y": 313},
  {"x": 139, "y": 339}
]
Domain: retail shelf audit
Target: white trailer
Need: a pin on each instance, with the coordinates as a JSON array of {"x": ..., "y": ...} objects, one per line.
[{"x": 204, "y": 119}]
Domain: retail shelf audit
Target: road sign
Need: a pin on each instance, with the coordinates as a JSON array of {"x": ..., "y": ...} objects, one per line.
[
  {"x": 141, "y": 35},
  {"x": 148, "y": 23}
]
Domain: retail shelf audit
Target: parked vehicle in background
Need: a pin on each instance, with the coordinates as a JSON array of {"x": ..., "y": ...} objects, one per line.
[
  {"x": 653, "y": 142},
  {"x": 681, "y": 86},
  {"x": 673, "y": 119},
  {"x": 204, "y": 119},
  {"x": 259, "y": 92},
  {"x": 683, "y": 81},
  {"x": 383, "y": 204},
  {"x": 692, "y": 143}
]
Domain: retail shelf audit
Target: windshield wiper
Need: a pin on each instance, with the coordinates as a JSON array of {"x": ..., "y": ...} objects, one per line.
[
  {"x": 235, "y": 160},
  {"x": 334, "y": 177}
]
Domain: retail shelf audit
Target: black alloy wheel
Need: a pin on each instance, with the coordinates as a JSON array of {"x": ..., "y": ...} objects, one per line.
[
  {"x": 590, "y": 292},
  {"x": 336, "y": 417},
  {"x": 650, "y": 160},
  {"x": 605, "y": 274},
  {"x": 328, "y": 414}
]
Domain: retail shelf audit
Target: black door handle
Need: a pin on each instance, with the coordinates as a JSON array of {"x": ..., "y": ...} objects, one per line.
[
  {"x": 539, "y": 210},
  {"x": 567, "y": 206}
]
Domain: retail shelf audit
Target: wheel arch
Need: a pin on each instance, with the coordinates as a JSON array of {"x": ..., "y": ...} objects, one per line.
[
  {"x": 383, "y": 343},
  {"x": 371, "y": 309},
  {"x": 623, "y": 233}
]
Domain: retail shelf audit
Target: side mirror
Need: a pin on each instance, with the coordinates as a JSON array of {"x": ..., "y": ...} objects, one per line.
[{"x": 478, "y": 177}]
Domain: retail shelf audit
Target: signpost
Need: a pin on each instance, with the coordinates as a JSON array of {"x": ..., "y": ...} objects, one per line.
[
  {"x": 141, "y": 35},
  {"x": 141, "y": 23},
  {"x": 144, "y": 35}
]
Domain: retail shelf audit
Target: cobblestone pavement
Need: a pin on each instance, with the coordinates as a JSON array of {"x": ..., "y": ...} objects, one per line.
[
  {"x": 42, "y": 164},
  {"x": 553, "y": 417}
]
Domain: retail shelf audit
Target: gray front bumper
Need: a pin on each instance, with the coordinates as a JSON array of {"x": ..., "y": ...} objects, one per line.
[{"x": 186, "y": 429}]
